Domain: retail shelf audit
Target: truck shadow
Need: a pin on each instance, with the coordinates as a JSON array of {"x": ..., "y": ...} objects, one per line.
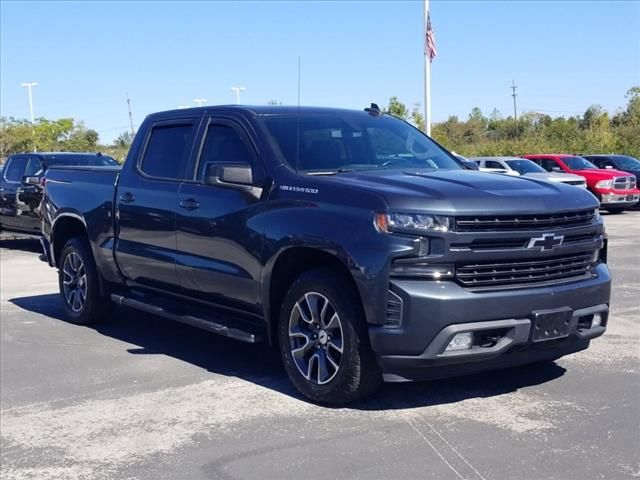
[
  {"x": 261, "y": 365},
  {"x": 18, "y": 243}
]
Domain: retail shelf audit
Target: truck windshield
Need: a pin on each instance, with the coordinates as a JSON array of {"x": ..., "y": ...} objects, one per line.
[
  {"x": 335, "y": 142},
  {"x": 627, "y": 163},
  {"x": 525, "y": 166},
  {"x": 578, "y": 163}
]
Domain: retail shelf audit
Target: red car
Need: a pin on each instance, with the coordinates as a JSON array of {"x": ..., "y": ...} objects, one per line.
[{"x": 615, "y": 189}]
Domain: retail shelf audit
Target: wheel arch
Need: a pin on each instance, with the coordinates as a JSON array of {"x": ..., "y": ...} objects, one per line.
[
  {"x": 288, "y": 265},
  {"x": 65, "y": 226}
]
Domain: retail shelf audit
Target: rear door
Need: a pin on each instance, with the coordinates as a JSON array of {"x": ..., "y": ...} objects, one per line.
[
  {"x": 146, "y": 204},
  {"x": 218, "y": 244}
]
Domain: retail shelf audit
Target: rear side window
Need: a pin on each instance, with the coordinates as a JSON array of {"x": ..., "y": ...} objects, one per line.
[
  {"x": 224, "y": 144},
  {"x": 15, "y": 168},
  {"x": 167, "y": 152},
  {"x": 493, "y": 164}
]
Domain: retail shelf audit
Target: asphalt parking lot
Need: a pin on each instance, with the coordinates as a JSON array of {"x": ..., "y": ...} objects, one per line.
[{"x": 143, "y": 398}]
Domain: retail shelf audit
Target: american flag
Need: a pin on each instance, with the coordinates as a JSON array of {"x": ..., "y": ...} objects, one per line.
[{"x": 430, "y": 41}]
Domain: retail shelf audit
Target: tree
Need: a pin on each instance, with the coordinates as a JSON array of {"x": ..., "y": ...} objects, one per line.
[
  {"x": 397, "y": 108},
  {"x": 123, "y": 140},
  {"x": 416, "y": 117}
]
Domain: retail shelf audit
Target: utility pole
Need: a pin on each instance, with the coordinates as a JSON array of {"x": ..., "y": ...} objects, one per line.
[
  {"x": 199, "y": 101},
  {"x": 514, "y": 87},
  {"x": 238, "y": 90},
  {"x": 29, "y": 86},
  {"x": 130, "y": 116}
]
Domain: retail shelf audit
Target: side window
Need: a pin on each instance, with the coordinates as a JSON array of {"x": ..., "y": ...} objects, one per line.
[
  {"x": 15, "y": 168},
  {"x": 547, "y": 164},
  {"x": 494, "y": 164},
  {"x": 224, "y": 144},
  {"x": 167, "y": 151},
  {"x": 34, "y": 167}
]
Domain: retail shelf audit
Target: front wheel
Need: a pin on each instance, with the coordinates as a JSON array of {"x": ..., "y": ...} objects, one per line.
[
  {"x": 324, "y": 341},
  {"x": 79, "y": 284}
]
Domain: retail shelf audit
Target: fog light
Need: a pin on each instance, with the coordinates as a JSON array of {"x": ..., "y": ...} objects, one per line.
[
  {"x": 462, "y": 341},
  {"x": 596, "y": 321}
]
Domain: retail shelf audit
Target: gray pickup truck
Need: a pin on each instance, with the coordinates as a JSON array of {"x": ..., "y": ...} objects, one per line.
[{"x": 349, "y": 240}]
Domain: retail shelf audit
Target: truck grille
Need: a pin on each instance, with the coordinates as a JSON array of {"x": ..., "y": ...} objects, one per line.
[
  {"x": 624, "y": 183},
  {"x": 524, "y": 222},
  {"x": 528, "y": 271}
]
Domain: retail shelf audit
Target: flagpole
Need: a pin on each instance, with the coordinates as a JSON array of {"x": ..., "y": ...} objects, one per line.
[{"x": 427, "y": 74}]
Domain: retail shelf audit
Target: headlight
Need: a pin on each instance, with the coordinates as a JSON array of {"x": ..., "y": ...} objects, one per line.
[
  {"x": 604, "y": 184},
  {"x": 412, "y": 222}
]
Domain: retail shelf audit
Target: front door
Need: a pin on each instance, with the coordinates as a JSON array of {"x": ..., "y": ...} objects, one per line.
[
  {"x": 19, "y": 203},
  {"x": 146, "y": 204},
  {"x": 218, "y": 244}
]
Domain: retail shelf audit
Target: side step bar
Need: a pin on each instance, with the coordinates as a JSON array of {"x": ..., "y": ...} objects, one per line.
[{"x": 209, "y": 325}]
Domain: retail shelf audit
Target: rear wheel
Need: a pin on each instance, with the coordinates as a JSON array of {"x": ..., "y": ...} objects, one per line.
[
  {"x": 80, "y": 285},
  {"x": 323, "y": 340}
]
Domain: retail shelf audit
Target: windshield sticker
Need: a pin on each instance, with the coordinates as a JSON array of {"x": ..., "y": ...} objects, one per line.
[
  {"x": 289, "y": 188},
  {"x": 336, "y": 133}
]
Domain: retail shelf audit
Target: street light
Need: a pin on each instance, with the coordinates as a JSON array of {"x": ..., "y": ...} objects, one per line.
[
  {"x": 199, "y": 101},
  {"x": 29, "y": 86},
  {"x": 237, "y": 90}
]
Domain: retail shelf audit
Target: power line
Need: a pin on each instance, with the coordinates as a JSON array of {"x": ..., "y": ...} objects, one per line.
[{"x": 514, "y": 87}]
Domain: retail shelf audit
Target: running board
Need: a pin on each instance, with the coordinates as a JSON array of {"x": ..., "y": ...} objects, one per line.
[{"x": 209, "y": 325}]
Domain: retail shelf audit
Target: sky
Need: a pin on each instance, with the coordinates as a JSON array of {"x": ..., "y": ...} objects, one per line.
[{"x": 87, "y": 56}]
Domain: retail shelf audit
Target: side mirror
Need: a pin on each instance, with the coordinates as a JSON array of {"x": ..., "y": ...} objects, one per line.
[
  {"x": 471, "y": 165},
  {"x": 30, "y": 180},
  {"x": 230, "y": 175}
]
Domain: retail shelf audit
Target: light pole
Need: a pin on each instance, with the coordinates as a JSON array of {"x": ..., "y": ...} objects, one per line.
[
  {"x": 199, "y": 101},
  {"x": 29, "y": 86},
  {"x": 238, "y": 90}
]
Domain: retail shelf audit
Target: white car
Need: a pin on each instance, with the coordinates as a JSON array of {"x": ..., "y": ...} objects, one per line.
[{"x": 517, "y": 166}]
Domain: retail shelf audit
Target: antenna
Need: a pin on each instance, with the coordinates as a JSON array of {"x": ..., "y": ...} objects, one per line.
[
  {"x": 298, "y": 122},
  {"x": 130, "y": 116}
]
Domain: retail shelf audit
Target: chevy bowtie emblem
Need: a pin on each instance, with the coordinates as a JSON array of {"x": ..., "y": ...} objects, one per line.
[{"x": 548, "y": 241}]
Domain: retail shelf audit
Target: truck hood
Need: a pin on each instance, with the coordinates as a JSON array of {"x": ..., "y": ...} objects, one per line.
[
  {"x": 467, "y": 192},
  {"x": 555, "y": 177},
  {"x": 600, "y": 173}
]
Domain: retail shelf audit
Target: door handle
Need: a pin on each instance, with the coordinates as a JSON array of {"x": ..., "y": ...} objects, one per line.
[
  {"x": 189, "y": 204},
  {"x": 127, "y": 197}
]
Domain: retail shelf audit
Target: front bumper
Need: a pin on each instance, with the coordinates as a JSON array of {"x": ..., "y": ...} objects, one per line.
[
  {"x": 434, "y": 311},
  {"x": 619, "y": 199}
]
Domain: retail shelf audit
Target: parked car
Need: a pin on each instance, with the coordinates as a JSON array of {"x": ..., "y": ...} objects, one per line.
[
  {"x": 615, "y": 189},
  {"x": 350, "y": 240},
  {"x": 518, "y": 166},
  {"x": 493, "y": 166},
  {"x": 21, "y": 190},
  {"x": 623, "y": 163}
]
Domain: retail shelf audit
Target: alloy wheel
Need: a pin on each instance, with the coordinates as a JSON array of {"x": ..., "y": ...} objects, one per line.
[
  {"x": 315, "y": 338},
  {"x": 74, "y": 282}
]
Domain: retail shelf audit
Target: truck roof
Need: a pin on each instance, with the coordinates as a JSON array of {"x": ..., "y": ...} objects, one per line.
[{"x": 256, "y": 110}]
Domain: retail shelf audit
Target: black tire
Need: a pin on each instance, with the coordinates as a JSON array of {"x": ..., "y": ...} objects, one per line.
[
  {"x": 615, "y": 211},
  {"x": 95, "y": 307},
  {"x": 357, "y": 374}
]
